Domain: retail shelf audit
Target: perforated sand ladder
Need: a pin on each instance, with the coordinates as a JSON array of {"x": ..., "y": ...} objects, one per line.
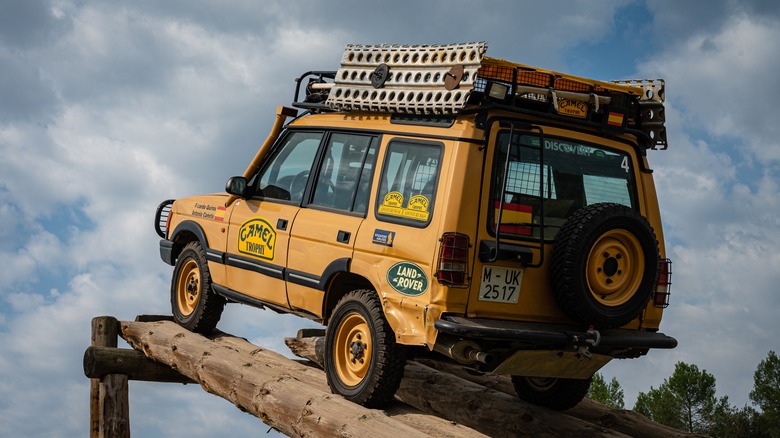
[{"x": 419, "y": 79}]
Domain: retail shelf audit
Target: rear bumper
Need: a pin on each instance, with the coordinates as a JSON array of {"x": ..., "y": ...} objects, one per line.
[{"x": 551, "y": 335}]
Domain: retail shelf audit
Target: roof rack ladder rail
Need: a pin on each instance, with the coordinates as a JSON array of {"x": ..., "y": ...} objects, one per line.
[
  {"x": 541, "y": 200},
  {"x": 494, "y": 256}
]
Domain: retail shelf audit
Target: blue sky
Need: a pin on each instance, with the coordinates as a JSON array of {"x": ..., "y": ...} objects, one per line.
[{"x": 109, "y": 107}]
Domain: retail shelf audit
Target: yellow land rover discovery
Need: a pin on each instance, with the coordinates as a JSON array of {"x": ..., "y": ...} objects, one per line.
[{"x": 432, "y": 199}]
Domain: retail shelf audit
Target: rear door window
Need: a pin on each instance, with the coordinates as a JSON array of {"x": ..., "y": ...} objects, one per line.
[
  {"x": 573, "y": 175},
  {"x": 407, "y": 189}
]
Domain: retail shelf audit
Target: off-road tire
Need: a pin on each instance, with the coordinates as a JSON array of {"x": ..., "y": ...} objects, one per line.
[
  {"x": 554, "y": 393},
  {"x": 604, "y": 265},
  {"x": 358, "y": 330},
  {"x": 195, "y": 305}
]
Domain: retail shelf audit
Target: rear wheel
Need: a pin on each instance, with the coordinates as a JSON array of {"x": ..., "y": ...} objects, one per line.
[
  {"x": 195, "y": 305},
  {"x": 362, "y": 361},
  {"x": 554, "y": 393}
]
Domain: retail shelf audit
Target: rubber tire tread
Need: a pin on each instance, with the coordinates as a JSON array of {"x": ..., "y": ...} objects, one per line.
[
  {"x": 565, "y": 393},
  {"x": 209, "y": 308},
  {"x": 388, "y": 360},
  {"x": 569, "y": 258}
]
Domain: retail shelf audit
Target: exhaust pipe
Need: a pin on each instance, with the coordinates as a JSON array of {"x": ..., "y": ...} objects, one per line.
[{"x": 463, "y": 352}]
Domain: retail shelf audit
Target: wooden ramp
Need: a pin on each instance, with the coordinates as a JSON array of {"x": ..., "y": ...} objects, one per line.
[{"x": 435, "y": 398}]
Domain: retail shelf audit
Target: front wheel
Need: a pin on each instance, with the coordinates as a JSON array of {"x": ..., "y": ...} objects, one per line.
[
  {"x": 195, "y": 305},
  {"x": 554, "y": 393},
  {"x": 363, "y": 363}
]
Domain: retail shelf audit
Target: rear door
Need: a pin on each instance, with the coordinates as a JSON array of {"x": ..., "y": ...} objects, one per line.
[
  {"x": 502, "y": 286},
  {"x": 531, "y": 191},
  {"x": 323, "y": 235}
]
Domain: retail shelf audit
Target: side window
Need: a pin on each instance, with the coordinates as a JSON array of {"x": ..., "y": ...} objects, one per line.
[
  {"x": 285, "y": 175},
  {"x": 344, "y": 179},
  {"x": 408, "y": 185}
]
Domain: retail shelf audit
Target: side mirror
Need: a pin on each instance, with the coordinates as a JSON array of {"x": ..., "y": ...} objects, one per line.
[{"x": 236, "y": 186}]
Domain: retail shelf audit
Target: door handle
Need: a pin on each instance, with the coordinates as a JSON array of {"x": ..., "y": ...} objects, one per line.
[
  {"x": 281, "y": 224},
  {"x": 343, "y": 236}
]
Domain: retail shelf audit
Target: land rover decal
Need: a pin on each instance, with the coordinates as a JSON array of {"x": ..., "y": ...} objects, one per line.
[{"x": 407, "y": 278}]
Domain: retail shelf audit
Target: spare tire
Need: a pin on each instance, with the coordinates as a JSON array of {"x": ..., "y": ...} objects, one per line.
[{"x": 604, "y": 265}]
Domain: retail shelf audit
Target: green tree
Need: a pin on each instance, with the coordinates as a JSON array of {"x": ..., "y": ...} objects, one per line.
[
  {"x": 686, "y": 400},
  {"x": 730, "y": 422},
  {"x": 609, "y": 394},
  {"x": 766, "y": 393},
  {"x": 661, "y": 406}
]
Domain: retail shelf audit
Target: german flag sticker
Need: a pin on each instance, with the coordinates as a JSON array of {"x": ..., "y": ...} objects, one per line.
[{"x": 615, "y": 119}]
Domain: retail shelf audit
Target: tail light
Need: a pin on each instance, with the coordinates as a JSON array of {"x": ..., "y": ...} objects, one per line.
[
  {"x": 664, "y": 284},
  {"x": 453, "y": 263}
]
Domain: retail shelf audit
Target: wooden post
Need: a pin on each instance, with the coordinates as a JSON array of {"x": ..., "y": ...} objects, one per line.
[{"x": 109, "y": 408}]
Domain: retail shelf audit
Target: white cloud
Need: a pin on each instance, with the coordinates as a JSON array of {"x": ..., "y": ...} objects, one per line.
[{"x": 724, "y": 79}]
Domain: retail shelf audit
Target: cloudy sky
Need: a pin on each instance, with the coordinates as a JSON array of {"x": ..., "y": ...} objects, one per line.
[{"x": 109, "y": 107}]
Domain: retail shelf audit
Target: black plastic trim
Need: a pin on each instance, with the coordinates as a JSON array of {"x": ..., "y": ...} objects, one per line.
[
  {"x": 166, "y": 251},
  {"x": 506, "y": 251},
  {"x": 213, "y": 255},
  {"x": 318, "y": 282},
  {"x": 194, "y": 228},
  {"x": 269, "y": 269},
  {"x": 238, "y": 297}
]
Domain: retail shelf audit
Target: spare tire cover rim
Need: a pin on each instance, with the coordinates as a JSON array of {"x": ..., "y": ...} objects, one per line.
[{"x": 615, "y": 267}]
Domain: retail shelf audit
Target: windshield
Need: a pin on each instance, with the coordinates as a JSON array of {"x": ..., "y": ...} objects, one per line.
[{"x": 573, "y": 175}]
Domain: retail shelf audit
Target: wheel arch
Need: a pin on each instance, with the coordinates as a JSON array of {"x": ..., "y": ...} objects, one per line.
[
  {"x": 186, "y": 232},
  {"x": 342, "y": 283}
]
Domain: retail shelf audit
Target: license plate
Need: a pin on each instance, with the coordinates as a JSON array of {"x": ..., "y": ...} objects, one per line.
[{"x": 500, "y": 285}]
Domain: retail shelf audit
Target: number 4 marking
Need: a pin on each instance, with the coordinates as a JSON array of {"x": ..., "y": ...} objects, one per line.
[{"x": 624, "y": 164}]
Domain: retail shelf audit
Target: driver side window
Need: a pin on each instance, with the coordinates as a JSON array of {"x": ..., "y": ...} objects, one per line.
[{"x": 285, "y": 175}]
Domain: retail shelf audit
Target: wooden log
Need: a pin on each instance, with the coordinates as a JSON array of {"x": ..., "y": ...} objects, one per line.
[
  {"x": 109, "y": 409},
  {"x": 100, "y": 361},
  {"x": 269, "y": 389},
  {"x": 473, "y": 405},
  {"x": 315, "y": 377},
  {"x": 621, "y": 420},
  {"x": 312, "y": 348},
  {"x": 486, "y": 410}
]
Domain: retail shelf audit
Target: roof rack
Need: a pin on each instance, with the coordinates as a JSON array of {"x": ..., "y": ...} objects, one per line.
[{"x": 457, "y": 78}]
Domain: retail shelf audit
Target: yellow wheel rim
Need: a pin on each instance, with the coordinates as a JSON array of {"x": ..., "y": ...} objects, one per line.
[
  {"x": 188, "y": 287},
  {"x": 353, "y": 349},
  {"x": 615, "y": 267}
]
